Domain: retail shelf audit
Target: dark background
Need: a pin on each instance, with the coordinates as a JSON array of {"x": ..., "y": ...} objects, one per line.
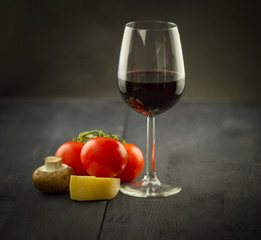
[{"x": 71, "y": 48}]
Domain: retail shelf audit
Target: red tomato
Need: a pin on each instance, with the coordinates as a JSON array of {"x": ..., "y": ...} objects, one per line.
[
  {"x": 103, "y": 157},
  {"x": 71, "y": 154},
  {"x": 134, "y": 165}
]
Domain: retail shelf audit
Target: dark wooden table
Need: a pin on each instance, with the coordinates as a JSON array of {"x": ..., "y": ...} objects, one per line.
[{"x": 212, "y": 150}]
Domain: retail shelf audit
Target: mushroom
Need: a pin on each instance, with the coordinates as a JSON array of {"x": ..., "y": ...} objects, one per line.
[{"x": 53, "y": 177}]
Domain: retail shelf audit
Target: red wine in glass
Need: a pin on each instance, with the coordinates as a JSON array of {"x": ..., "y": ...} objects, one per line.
[
  {"x": 151, "y": 80},
  {"x": 151, "y": 92}
]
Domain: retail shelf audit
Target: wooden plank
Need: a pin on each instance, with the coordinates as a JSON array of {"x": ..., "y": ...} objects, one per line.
[
  {"x": 195, "y": 148},
  {"x": 241, "y": 138},
  {"x": 31, "y": 130}
]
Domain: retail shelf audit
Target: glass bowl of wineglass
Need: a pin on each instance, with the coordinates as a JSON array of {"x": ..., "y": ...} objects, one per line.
[{"x": 151, "y": 80}]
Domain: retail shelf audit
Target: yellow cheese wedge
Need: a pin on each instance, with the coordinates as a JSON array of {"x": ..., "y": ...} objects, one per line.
[{"x": 84, "y": 188}]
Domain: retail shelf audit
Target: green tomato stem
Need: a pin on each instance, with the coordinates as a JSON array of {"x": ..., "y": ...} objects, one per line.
[{"x": 86, "y": 136}]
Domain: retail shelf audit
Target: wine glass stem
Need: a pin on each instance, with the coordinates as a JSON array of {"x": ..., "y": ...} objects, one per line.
[{"x": 150, "y": 151}]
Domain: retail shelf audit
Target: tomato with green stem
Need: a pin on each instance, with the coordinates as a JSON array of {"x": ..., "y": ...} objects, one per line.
[{"x": 103, "y": 157}]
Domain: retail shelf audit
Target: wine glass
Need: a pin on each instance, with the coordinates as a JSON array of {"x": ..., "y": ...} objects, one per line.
[{"x": 151, "y": 80}]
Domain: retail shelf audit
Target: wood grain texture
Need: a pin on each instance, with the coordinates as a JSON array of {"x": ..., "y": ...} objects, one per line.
[
  {"x": 31, "y": 130},
  {"x": 241, "y": 139},
  {"x": 214, "y": 152}
]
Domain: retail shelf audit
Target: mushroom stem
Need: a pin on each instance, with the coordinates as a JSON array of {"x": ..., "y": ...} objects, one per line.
[{"x": 53, "y": 163}]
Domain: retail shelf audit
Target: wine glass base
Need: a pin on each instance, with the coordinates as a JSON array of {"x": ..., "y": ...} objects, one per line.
[{"x": 150, "y": 187}]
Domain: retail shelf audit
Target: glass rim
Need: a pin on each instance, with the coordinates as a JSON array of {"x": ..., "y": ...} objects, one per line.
[{"x": 165, "y": 25}]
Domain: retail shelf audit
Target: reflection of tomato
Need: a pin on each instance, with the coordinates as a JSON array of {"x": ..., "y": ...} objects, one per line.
[
  {"x": 103, "y": 157},
  {"x": 134, "y": 165},
  {"x": 70, "y": 152},
  {"x": 137, "y": 105},
  {"x": 144, "y": 112}
]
